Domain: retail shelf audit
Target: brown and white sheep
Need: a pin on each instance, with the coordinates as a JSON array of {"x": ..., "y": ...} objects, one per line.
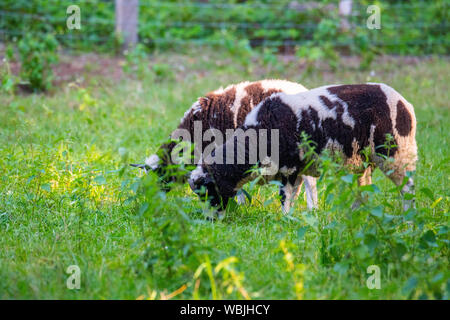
[
  {"x": 221, "y": 109},
  {"x": 342, "y": 118}
]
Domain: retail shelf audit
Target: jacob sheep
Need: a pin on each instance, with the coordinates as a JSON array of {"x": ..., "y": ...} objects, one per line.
[
  {"x": 221, "y": 109},
  {"x": 340, "y": 118}
]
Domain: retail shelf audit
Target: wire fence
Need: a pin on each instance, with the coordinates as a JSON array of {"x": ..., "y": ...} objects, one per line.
[{"x": 172, "y": 23}]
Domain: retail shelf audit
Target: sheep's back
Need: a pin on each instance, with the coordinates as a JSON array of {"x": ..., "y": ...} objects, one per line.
[
  {"x": 227, "y": 108},
  {"x": 345, "y": 118}
]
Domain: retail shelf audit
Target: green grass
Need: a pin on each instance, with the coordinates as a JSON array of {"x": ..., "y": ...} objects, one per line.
[{"x": 67, "y": 197}]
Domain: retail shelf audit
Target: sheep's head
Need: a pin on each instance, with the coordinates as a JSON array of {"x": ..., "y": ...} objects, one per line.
[
  {"x": 202, "y": 183},
  {"x": 158, "y": 165}
]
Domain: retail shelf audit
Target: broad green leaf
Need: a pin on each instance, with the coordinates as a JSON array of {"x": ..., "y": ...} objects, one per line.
[
  {"x": 377, "y": 211},
  {"x": 100, "y": 179},
  {"x": 428, "y": 193},
  {"x": 348, "y": 178},
  {"x": 301, "y": 232}
]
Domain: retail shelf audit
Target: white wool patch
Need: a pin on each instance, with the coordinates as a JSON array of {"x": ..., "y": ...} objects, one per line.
[
  {"x": 334, "y": 145},
  {"x": 197, "y": 173},
  {"x": 152, "y": 161},
  {"x": 267, "y": 84},
  {"x": 287, "y": 171},
  {"x": 303, "y": 100},
  {"x": 196, "y": 107},
  {"x": 283, "y": 85},
  {"x": 346, "y": 118},
  {"x": 250, "y": 119},
  {"x": 372, "y": 137},
  {"x": 222, "y": 89},
  {"x": 240, "y": 94}
]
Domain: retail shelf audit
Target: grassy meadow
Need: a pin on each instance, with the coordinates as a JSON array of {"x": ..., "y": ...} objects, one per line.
[{"x": 68, "y": 197}]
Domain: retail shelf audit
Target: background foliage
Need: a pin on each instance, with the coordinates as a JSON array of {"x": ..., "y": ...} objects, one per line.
[
  {"x": 68, "y": 196},
  {"x": 412, "y": 27}
]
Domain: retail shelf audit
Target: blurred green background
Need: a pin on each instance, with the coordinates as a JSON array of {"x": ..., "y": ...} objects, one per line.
[{"x": 408, "y": 27}]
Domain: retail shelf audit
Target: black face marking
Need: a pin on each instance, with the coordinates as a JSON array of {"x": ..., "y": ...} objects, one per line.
[
  {"x": 403, "y": 121},
  {"x": 207, "y": 190}
]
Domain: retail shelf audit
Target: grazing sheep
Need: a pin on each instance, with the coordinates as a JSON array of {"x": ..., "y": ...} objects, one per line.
[
  {"x": 340, "y": 118},
  {"x": 221, "y": 109}
]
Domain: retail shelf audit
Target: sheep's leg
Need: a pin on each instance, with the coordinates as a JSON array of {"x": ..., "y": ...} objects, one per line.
[
  {"x": 408, "y": 188},
  {"x": 397, "y": 177},
  {"x": 396, "y": 171},
  {"x": 240, "y": 198},
  {"x": 364, "y": 180},
  {"x": 289, "y": 191},
  {"x": 311, "y": 191}
]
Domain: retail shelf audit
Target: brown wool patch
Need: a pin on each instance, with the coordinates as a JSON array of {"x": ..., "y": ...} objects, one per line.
[
  {"x": 215, "y": 113},
  {"x": 327, "y": 102},
  {"x": 403, "y": 120},
  {"x": 255, "y": 94},
  {"x": 367, "y": 104}
]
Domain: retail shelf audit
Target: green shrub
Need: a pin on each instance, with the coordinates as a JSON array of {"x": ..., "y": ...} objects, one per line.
[
  {"x": 379, "y": 232},
  {"x": 7, "y": 79},
  {"x": 37, "y": 56},
  {"x": 413, "y": 27}
]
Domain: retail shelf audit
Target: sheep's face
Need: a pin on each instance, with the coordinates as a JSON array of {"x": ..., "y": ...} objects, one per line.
[
  {"x": 165, "y": 179},
  {"x": 156, "y": 165},
  {"x": 203, "y": 185}
]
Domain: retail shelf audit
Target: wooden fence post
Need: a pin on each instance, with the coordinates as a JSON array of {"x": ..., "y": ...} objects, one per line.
[{"x": 127, "y": 21}]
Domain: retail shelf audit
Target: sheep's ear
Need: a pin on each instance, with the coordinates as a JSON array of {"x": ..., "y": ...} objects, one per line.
[{"x": 141, "y": 166}]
